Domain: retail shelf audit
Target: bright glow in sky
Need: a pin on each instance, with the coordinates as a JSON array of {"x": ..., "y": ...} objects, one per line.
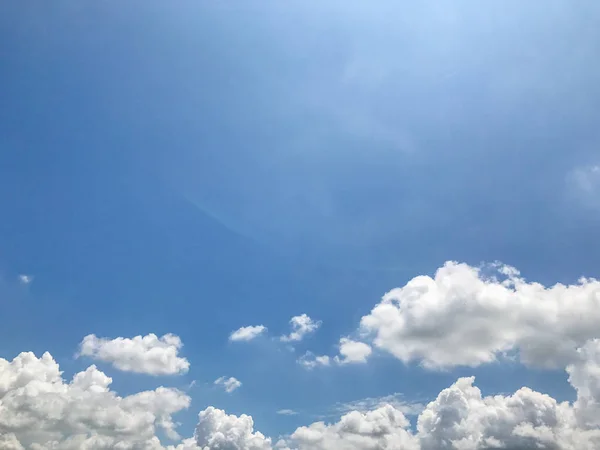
[{"x": 302, "y": 225}]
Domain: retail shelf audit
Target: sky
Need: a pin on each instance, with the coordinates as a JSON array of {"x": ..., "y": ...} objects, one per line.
[{"x": 299, "y": 225}]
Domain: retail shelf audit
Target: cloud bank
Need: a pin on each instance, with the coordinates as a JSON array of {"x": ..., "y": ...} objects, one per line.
[
  {"x": 461, "y": 316},
  {"x": 41, "y": 411}
]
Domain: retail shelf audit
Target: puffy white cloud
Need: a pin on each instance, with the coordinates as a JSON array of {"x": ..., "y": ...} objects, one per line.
[
  {"x": 469, "y": 316},
  {"x": 353, "y": 351},
  {"x": 229, "y": 384},
  {"x": 584, "y": 376},
  {"x": 247, "y": 333},
  {"x": 301, "y": 326},
  {"x": 40, "y": 411},
  {"x": 310, "y": 361},
  {"x": 383, "y": 428},
  {"x": 461, "y": 418},
  {"x": 217, "y": 430},
  {"x": 141, "y": 354}
]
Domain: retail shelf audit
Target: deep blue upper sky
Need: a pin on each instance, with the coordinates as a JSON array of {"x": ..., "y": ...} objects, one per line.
[{"x": 195, "y": 167}]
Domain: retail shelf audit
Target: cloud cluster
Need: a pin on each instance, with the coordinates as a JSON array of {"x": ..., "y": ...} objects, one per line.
[
  {"x": 460, "y": 418},
  {"x": 247, "y": 333},
  {"x": 461, "y": 316},
  {"x": 229, "y": 384},
  {"x": 301, "y": 326},
  {"x": 353, "y": 352},
  {"x": 141, "y": 354},
  {"x": 469, "y": 316},
  {"x": 41, "y": 411}
]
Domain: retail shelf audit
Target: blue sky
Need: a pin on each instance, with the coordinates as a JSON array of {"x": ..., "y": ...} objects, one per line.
[{"x": 199, "y": 167}]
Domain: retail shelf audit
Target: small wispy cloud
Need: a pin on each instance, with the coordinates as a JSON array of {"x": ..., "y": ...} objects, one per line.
[
  {"x": 25, "y": 279},
  {"x": 368, "y": 404},
  {"x": 310, "y": 361},
  {"x": 247, "y": 333},
  {"x": 229, "y": 384},
  {"x": 287, "y": 412}
]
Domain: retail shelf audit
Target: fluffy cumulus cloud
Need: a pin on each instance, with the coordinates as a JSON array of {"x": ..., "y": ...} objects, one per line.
[
  {"x": 217, "y": 430},
  {"x": 383, "y": 428},
  {"x": 469, "y": 316},
  {"x": 247, "y": 333},
  {"x": 353, "y": 351},
  {"x": 141, "y": 354},
  {"x": 462, "y": 315},
  {"x": 301, "y": 326},
  {"x": 584, "y": 376},
  {"x": 229, "y": 384},
  {"x": 39, "y": 410}
]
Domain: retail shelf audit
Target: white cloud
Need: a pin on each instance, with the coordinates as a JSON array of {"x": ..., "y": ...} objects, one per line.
[
  {"x": 584, "y": 376},
  {"x": 247, "y": 333},
  {"x": 353, "y": 351},
  {"x": 301, "y": 326},
  {"x": 141, "y": 354},
  {"x": 217, "y": 430},
  {"x": 350, "y": 351},
  {"x": 287, "y": 412},
  {"x": 39, "y": 410},
  {"x": 370, "y": 403},
  {"x": 460, "y": 418},
  {"x": 383, "y": 428},
  {"x": 229, "y": 384},
  {"x": 310, "y": 361},
  {"x": 25, "y": 279},
  {"x": 463, "y": 316}
]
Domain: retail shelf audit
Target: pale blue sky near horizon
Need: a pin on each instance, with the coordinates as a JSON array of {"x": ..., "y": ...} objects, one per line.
[{"x": 195, "y": 167}]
